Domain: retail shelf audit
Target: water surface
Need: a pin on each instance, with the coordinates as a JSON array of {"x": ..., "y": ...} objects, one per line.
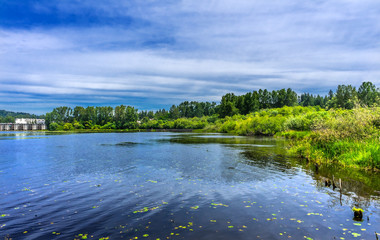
[{"x": 175, "y": 186}]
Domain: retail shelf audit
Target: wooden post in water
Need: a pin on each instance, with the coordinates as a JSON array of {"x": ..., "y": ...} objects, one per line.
[
  {"x": 340, "y": 191},
  {"x": 333, "y": 182}
]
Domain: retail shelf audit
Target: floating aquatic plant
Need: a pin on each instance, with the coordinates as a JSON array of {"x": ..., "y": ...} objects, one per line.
[{"x": 358, "y": 213}]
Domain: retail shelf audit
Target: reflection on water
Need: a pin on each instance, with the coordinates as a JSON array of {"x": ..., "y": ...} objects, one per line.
[
  {"x": 270, "y": 153},
  {"x": 175, "y": 186}
]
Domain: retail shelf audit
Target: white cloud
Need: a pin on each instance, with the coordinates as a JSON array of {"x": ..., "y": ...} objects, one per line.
[{"x": 195, "y": 49}]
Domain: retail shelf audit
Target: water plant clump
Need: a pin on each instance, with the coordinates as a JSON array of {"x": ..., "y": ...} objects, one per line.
[{"x": 358, "y": 214}]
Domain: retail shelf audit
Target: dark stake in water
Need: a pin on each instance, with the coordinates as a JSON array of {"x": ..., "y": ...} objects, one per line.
[{"x": 176, "y": 186}]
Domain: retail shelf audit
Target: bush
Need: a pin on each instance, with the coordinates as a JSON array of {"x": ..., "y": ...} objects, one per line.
[
  {"x": 77, "y": 125},
  {"x": 68, "y": 127},
  {"x": 53, "y": 126},
  {"x": 109, "y": 125},
  {"x": 347, "y": 137}
]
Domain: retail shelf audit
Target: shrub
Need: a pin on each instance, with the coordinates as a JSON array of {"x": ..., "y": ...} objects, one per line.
[
  {"x": 53, "y": 126},
  {"x": 108, "y": 125},
  {"x": 68, "y": 127}
]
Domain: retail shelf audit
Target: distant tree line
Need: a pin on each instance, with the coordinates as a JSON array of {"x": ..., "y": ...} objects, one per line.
[
  {"x": 184, "y": 110},
  {"x": 128, "y": 117},
  {"x": 346, "y": 97},
  {"x": 254, "y": 101},
  {"x": 125, "y": 117},
  {"x": 9, "y": 117}
]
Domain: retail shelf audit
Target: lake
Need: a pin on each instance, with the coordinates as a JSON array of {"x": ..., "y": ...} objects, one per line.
[{"x": 175, "y": 186}]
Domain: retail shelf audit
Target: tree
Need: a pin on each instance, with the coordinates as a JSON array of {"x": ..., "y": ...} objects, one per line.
[
  {"x": 59, "y": 115},
  {"x": 174, "y": 112},
  {"x": 9, "y": 119},
  {"x": 184, "y": 109},
  {"x": 319, "y": 101},
  {"x": 307, "y": 99},
  {"x": 79, "y": 113},
  {"x": 331, "y": 94},
  {"x": 264, "y": 99},
  {"x": 131, "y": 114},
  {"x": 126, "y": 117},
  {"x": 255, "y": 104},
  {"x": 367, "y": 94},
  {"x": 120, "y": 112},
  {"x": 104, "y": 114},
  {"x": 53, "y": 126},
  {"x": 199, "y": 109},
  {"x": 227, "y": 105},
  {"x": 281, "y": 98},
  {"x": 291, "y": 98},
  {"x": 91, "y": 115},
  {"x": 346, "y": 96},
  {"x": 161, "y": 114},
  {"x": 209, "y": 108}
]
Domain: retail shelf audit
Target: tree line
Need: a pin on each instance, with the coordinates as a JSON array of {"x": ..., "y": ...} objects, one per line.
[
  {"x": 346, "y": 97},
  {"x": 128, "y": 117},
  {"x": 9, "y": 117}
]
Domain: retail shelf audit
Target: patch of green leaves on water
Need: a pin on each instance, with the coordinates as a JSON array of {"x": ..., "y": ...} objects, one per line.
[
  {"x": 218, "y": 204},
  {"x": 146, "y": 209}
]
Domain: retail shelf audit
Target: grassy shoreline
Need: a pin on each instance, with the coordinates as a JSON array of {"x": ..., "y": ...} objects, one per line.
[
  {"x": 118, "y": 130},
  {"x": 349, "y": 138}
]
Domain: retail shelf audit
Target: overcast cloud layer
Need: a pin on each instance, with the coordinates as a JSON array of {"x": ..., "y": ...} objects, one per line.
[{"x": 151, "y": 54}]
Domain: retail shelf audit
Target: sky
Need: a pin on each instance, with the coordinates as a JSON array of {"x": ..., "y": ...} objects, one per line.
[{"x": 152, "y": 54}]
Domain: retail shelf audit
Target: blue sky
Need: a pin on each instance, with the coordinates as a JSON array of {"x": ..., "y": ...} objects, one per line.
[{"x": 151, "y": 54}]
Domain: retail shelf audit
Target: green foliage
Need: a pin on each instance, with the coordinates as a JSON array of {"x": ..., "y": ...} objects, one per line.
[
  {"x": 346, "y": 96},
  {"x": 346, "y": 134},
  {"x": 130, "y": 125},
  {"x": 368, "y": 95},
  {"x": 88, "y": 124},
  {"x": 68, "y": 127},
  {"x": 192, "y": 109},
  {"x": 9, "y": 117},
  {"x": 180, "y": 123},
  {"x": 124, "y": 115},
  {"x": 53, "y": 126},
  {"x": 227, "y": 105},
  {"x": 78, "y": 125},
  {"x": 347, "y": 137},
  {"x": 354, "y": 209},
  {"x": 270, "y": 121},
  {"x": 109, "y": 125},
  {"x": 96, "y": 127},
  {"x": 231, "y": 105},
  {"x": 294, "y": 134}
]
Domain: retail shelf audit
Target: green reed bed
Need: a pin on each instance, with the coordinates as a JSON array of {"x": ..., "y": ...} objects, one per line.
[{"x": 345, "y": 137}]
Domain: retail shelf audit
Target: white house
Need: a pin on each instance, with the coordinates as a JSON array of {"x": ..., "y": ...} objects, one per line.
[{"x": 29, "y": 121}]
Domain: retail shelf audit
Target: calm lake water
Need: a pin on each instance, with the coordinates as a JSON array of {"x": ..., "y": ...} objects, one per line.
[{"x": 175, "y": 186}]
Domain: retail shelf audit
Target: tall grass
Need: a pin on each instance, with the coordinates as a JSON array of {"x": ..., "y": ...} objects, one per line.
[{"x": 346, "y": 137}]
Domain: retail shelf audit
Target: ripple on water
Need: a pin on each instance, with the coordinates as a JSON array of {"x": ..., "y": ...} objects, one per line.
[{"x": 159, "y": 185}]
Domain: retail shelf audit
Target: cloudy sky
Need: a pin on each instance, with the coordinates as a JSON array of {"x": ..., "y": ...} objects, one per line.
[{"x": 151, "y": 54}]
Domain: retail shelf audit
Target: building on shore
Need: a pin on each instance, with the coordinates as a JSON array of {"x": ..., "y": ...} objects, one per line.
[
  {"x": 29, "y": 121},
  {"x": 24, "y": 124}
]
